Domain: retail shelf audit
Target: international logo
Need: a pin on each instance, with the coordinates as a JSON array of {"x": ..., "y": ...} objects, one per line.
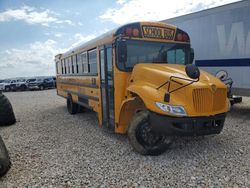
[{"x": 214, "y": 88}]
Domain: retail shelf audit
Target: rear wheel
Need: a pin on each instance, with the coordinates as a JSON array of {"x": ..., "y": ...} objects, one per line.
[
  {"x": 7, "y": 116},
  {"x": 143, "y": 139},
  {"x": 4, "y": 159},
  {"x": 71, "y": 106}
]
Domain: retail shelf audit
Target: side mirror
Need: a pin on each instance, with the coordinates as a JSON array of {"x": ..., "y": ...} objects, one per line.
[
  {"x": 122, "y": 51},
  {"x": 191, "y": 55},
  {"x": 192, "y": 71}
]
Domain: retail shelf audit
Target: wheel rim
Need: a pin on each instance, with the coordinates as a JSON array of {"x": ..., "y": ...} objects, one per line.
[{"x": 146, "y": 137}]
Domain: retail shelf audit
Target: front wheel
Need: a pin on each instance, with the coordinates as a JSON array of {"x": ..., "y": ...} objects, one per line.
[{"x": 143, "y": 139}]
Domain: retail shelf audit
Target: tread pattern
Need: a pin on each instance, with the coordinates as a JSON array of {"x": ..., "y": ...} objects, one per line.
[{"x": 155, "y": 150}]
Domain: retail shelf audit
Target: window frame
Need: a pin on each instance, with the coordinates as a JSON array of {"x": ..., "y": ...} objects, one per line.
[
  {"x": 94, "y": 50},
  {"x": 81, "y": 66}
]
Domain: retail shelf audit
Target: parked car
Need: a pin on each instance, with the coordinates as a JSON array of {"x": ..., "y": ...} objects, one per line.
[
  {"x": 40, "y": 83},
  {"x": 5, "y": 85},
  {"x": 20, "y": 84}
]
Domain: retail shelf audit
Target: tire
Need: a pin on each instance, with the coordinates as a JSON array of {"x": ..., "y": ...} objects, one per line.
[
  {"x": 143, "y": 139},
  {"x": 7, "y": 116},
  {"x": 23, "y": 87},
  {"x": 7, "y": 88},
  {"x": 71, "y": 106},
  {"x": 13, "y": 88},
  {"x": 41, "y": 87},
  {"x": 4, "y": 159}
]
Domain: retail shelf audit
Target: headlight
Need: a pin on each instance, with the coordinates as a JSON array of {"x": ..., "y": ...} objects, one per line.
[{"x": 176, "y": 110}]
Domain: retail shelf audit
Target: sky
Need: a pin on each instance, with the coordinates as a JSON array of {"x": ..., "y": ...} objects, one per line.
[{"x": 32, "y": 32}]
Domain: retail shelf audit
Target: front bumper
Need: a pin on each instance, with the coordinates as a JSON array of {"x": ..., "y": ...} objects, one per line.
[{"x": 187, "y": 126}]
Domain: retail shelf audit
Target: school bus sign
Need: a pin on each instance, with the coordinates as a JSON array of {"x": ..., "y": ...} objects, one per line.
[{"x": 158, "y": 32}]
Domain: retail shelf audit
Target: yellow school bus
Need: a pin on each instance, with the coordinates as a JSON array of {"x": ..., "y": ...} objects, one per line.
[{"x": 140, "y": 80}]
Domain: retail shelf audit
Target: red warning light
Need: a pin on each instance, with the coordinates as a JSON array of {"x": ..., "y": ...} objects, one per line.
[
  {"x": 185, "y": 38},
  {"x": 128, "y": 32},
  {"x": 179, "y": 37}
]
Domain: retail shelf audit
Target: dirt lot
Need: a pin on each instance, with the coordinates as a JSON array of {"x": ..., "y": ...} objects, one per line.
[{"x": 50, "y": 148}]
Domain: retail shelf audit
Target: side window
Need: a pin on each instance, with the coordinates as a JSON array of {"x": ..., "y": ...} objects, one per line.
[
  {"x": 72, "y": 65},
  {"x": 57, "y": 67},
  {"x": 69, "y": 67},
  {"x": 102, "y": 65},
  {"x": 109, "y": 64},
  {"x": 65, "y": 67},
  {"x": 79, "y": 63},
  {"x": 92, "y": 61},
  {"x": 62, "y": 68},
  {"x": 75, "y": 64},
  {"x": 84, "y": 61}
]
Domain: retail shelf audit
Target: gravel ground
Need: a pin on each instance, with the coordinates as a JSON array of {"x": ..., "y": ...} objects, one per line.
[{"x": 50, "y": 148}]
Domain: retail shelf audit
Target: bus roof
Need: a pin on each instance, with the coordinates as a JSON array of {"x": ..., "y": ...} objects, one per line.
[{"x": 109, "y": 36}]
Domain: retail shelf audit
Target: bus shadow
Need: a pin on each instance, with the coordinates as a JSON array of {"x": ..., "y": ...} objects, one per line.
[
  {"x": 238, "y": 111},
  {"x": 192, "y": 146}
]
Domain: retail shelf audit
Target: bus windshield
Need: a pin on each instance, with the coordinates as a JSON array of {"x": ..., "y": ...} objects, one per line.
[{"x": 155, "y": 52}]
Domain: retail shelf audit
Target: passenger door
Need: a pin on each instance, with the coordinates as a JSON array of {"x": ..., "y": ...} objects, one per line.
[{"x": 107, "y": 85}]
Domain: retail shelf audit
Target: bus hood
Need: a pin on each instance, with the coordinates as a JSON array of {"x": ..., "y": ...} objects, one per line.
[
  {"x": 157, "y": 74},
  {"x": 149, "y": 82}
]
